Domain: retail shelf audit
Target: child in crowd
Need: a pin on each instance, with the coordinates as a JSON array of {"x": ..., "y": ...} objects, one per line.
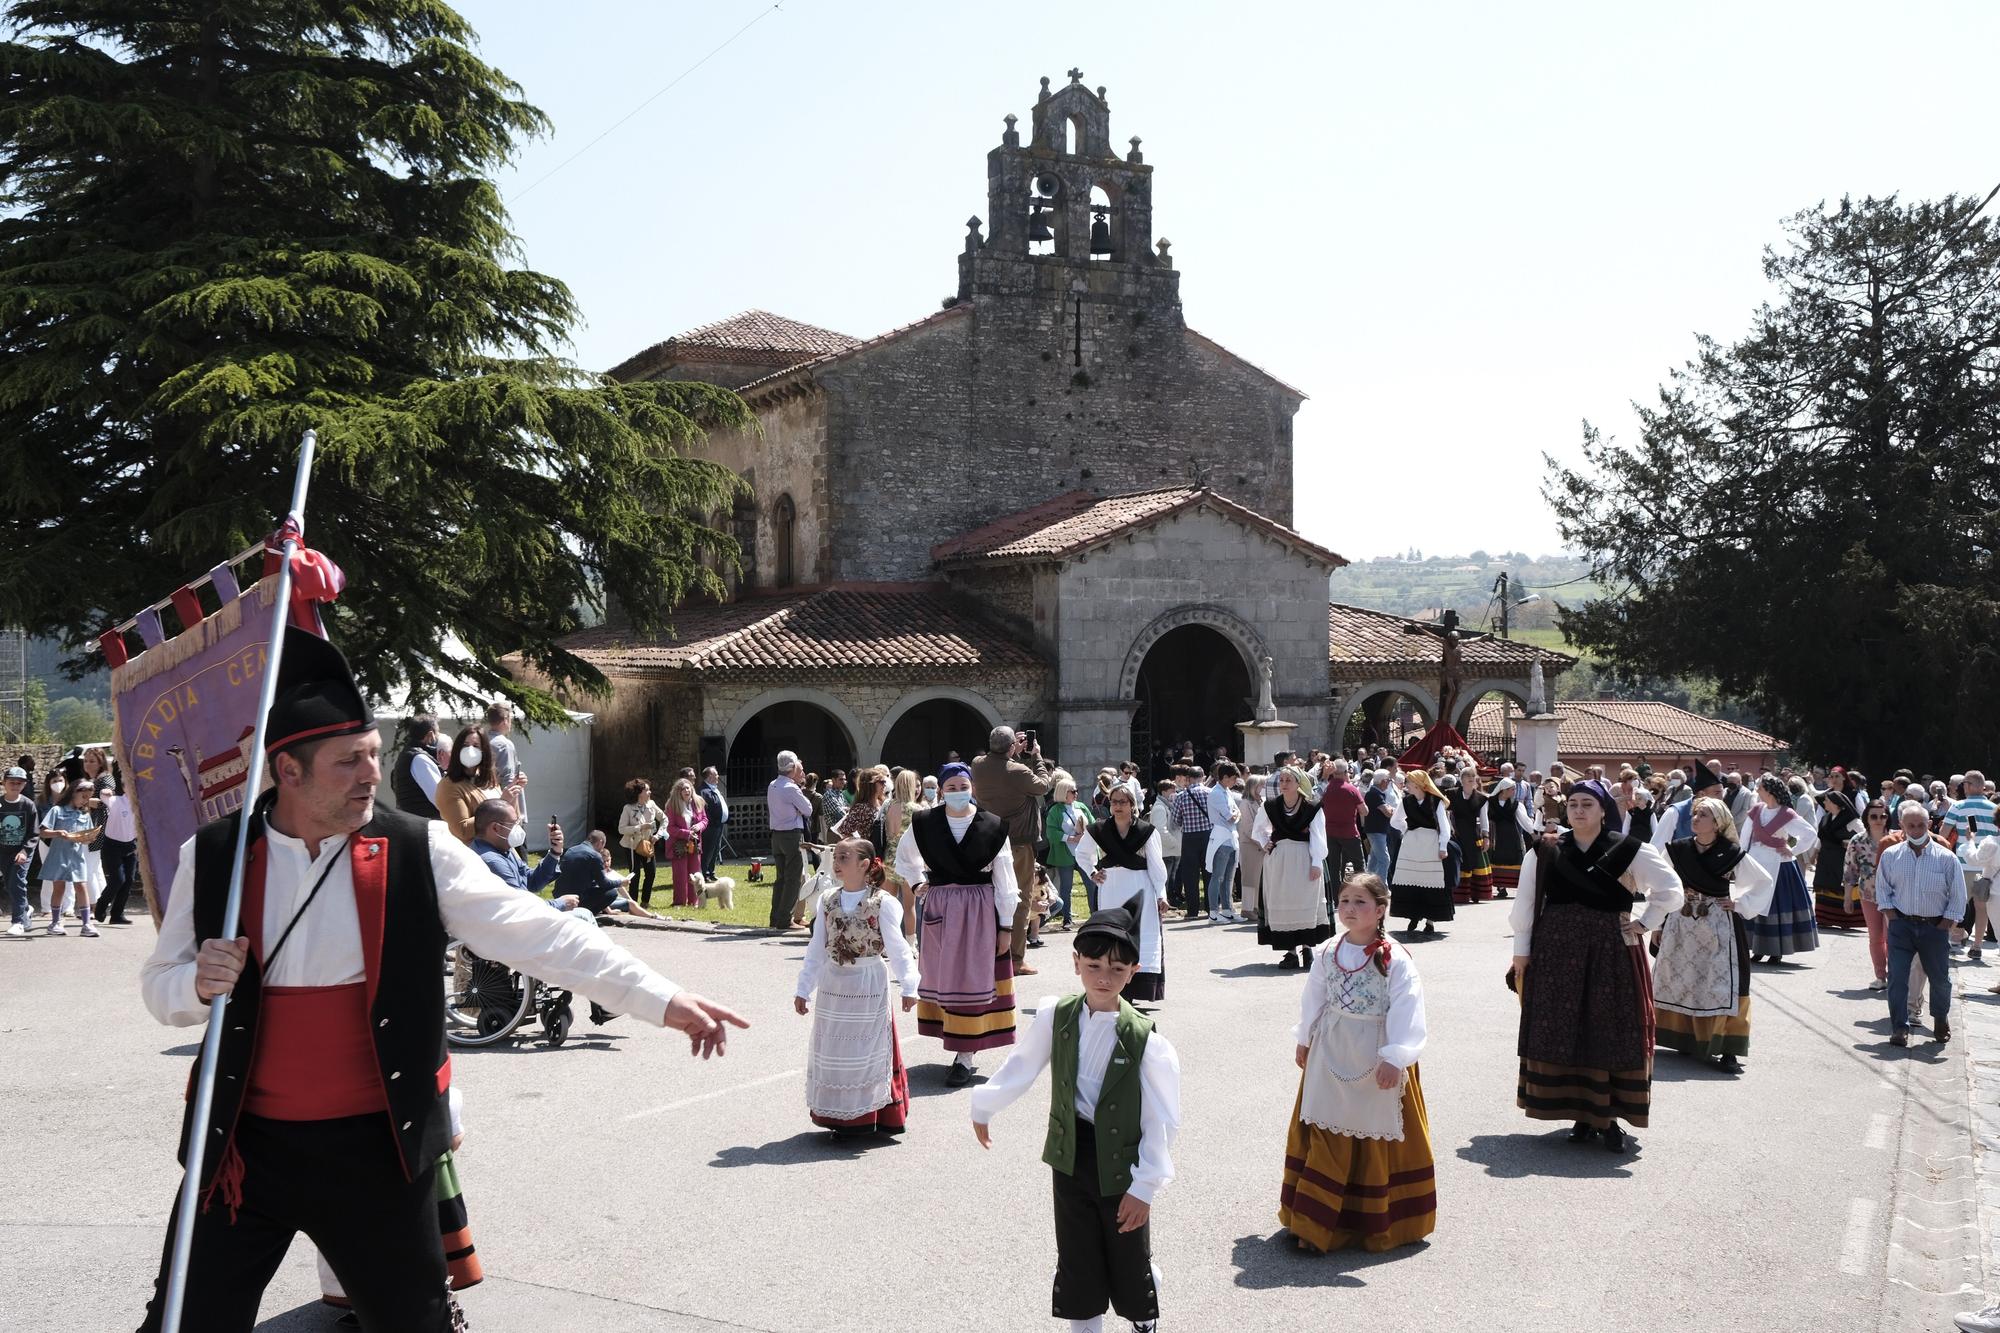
[
  {"x": 66, "y": 829},
  {"x": 1358, "y": 1165},
  {"x": 855, "y": 1081},
  {"x": 1115, "y": 1080}
]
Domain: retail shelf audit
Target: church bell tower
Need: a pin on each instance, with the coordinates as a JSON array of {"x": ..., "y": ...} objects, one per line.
[{"x": 1065, "y": 214}]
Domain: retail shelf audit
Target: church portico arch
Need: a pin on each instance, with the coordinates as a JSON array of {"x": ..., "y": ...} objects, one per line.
[
  {"x": 1517, "y": 690},
  {"x": 1240, "y": 634},
  {"x": 1191, "y": 674},
  {"x": 925, "y": 723},
  {"x": 1377, "y": 699}
]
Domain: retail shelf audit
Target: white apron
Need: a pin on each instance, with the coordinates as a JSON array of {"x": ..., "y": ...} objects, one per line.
[
  {"x": 1417, "y": 863},
  {"x": 1133, "y": 888},
  {"x": 1340, "y": 1093},
  {"x": 1695, "y": 973},
  {"x": 1291, "y": 900}
]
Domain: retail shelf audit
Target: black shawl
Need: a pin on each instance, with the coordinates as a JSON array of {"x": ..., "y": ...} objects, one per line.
[
  {"x": 1292, "y": 827},
  {"x": 1127, "y": 853},
  {"x": 1588, "y": 876},
  {"x": 1708, "y": 872},
  {"x": 950, "y": 861}
]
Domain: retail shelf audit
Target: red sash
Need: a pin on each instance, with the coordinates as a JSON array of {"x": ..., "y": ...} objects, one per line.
[{"x": 315, "y": 1058}]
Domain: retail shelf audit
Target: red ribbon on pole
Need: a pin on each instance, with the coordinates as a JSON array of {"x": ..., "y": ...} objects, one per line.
[{"x": 315, "y": 579}]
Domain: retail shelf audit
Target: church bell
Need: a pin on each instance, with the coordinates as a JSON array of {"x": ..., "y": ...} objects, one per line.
[
  {"x": 1100, "y": 235},
  {"x": 1038, "y": 226}
]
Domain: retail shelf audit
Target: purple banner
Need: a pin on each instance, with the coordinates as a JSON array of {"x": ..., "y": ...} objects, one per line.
[{"x": 186, "y": 710}]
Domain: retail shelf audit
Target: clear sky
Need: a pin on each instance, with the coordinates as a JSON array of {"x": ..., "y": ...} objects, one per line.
[{"x": 1461, "y": 228}]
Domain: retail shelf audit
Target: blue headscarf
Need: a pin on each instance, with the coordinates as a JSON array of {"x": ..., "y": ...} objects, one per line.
[
  {"x": 950, "y": 771},
  {"x": 1613, "y": 816}
]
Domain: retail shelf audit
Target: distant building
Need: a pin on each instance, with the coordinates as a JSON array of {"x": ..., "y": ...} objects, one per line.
[{"x": 1618, "y": 731}]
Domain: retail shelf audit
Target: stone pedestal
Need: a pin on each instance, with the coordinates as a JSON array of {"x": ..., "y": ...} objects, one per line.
[
  {"x": 1262, "y": 741},
  {"x": 1535, "y": 743}
]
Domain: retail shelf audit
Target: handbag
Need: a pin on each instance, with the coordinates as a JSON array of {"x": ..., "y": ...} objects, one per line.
[{"x": 643, "y": 848}]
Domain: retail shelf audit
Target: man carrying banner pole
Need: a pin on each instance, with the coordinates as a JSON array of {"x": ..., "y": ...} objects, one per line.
[{"x": 319, "y": 1103}]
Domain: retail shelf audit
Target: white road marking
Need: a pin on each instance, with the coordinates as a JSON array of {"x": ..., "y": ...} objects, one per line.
[
  {"x": 1877, "y": 1137},
  {"x": 1854, "y": 1245},
  {"x": 711, "y": 1096}
]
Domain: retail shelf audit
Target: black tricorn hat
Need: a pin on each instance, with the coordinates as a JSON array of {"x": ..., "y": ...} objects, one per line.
[
  {"x": 1703, "y": 778},
  {"x": 317, "y": 697},
  {"x": 1116, "y": 923}
]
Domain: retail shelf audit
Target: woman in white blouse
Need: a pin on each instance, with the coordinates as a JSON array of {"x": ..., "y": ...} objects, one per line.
[
  {"x": 1586, "y": 1045},
  {"x": 1776, "y": 836},
  {"x": 1122, "y": 856}
]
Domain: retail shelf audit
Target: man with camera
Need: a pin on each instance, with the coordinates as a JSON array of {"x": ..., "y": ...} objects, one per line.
[{"x": 1012, "y": 790}]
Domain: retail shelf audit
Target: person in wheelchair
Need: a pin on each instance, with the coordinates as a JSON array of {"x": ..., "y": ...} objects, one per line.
[{"x": 496, "y": 836}]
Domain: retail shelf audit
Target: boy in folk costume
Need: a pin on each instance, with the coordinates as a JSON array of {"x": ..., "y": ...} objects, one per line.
[
  {"x": 1358, "y": 1165},
  {"x": 1116, "y": 1107},
  {"x": 956, "y": 857},
  {"x": 855, "y": 1083}
]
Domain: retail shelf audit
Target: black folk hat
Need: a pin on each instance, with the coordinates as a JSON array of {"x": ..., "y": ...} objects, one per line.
[{"x": 317, "y": 697}]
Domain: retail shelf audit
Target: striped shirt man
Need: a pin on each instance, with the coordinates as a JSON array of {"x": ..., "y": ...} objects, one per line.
[{"x": 1973, "y": 816}]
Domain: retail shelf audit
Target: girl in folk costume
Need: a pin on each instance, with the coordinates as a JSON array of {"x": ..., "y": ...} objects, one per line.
[
  {"x": 1116, "y": 1083},
  {"x": 1509, "y": 825},
  {"x": 1775, "y": 836},
  {"x": 957, "y": 860},
  {"x": 1834, "y": 904},
  {"x": 1586, "y": 1044},
  {"x": 1701, "y": 981},
  {"x": 855, "y": 1082},
  {"x": 1293, "y": 901},
  {"x": 1417, "y": 889},
  {"x": 1358, "y": 1165},
  {"x": 1468, "y": 810},
  {"x": 1122, "y": 857},
  {"x": 461, "y": 1259},
  {"x": 687, "y": 820}
]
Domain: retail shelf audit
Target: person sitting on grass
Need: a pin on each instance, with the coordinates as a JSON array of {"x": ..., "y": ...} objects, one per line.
[{"x": 586, "y": 876}]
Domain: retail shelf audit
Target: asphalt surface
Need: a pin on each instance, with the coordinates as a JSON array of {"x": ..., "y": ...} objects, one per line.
[{"x": 616, "y": 1186}]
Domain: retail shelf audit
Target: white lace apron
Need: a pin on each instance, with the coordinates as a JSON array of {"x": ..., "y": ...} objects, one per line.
[{"x": 1347, "y": 1041}]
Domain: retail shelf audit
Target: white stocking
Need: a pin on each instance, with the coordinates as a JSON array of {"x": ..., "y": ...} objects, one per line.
[{"x": 1094, "y": 1324}]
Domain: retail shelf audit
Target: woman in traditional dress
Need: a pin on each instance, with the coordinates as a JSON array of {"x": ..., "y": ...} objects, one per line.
[
  {"x": 1586, "y": 1044},
  {"x": 1509, "y": 825},
  {"x": 1358, "y": 1166},
  {"x": 1468, "y": 808},
  {"x": 1835, "y": 905},
  {"x": 1864, "y": 856},
  {"x": 1121, "y": 856},
  {"x": 1777, "y": 836},
  {"x": 957, "y": 858},
  {"x": 1701, "y": 979},
  {"x": 1417, "y": 889},
  {"x": 1288, "y": 827},
  {"x": 855, "y": 1082}
]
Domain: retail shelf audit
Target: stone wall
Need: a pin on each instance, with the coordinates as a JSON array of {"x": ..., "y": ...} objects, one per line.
[
  {"x": 647, "y": 726},
  {"x": 952, "y": 425},
  {"x": 1194, "y": 567},
  {"x": 786, "y": 456}
]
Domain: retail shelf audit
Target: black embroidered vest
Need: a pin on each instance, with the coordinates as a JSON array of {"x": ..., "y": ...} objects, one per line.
[
  {"x": 392, "y": 865},
  {"x": 1116, "y": 854},
  {"x": 1294, "y": 827},
  {"x": 1707, "y": 872},
  {"x": 1589, "y": 877},
  {"x": 950, "y": 861}
]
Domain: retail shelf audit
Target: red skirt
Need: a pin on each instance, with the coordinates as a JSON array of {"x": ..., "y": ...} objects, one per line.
[{"x": 889, "y": 1119}]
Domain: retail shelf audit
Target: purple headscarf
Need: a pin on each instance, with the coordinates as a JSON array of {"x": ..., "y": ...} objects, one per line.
[
  {"x": 1613, "y": 817},
  {"x": 950, "y": 771}
]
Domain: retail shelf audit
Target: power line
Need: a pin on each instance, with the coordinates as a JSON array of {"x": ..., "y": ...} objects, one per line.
[{"x": 606, "y": 132}]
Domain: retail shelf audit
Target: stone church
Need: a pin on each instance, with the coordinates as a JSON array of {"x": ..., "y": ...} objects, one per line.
[{"x": 1052, "y": 503}]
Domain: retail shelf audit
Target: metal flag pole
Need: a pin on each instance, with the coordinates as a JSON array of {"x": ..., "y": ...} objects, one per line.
[{"x": 253, "y": 780}]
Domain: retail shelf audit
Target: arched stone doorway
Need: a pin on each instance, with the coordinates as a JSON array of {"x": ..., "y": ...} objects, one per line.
[
  {"x": 818, "y": 737},
  {"x": 1392, "y": 714},
  {"x": 1489, "y": 711},
  {"x": 932, "y": 728},
  {"x": 1193, "y": 686}
]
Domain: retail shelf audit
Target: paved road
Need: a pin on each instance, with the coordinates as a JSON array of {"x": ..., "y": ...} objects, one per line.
[{"x": 616, "y": 1186}]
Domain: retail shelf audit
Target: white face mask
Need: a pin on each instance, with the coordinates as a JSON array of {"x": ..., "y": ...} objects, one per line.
[
  {"x": 517, "y": 836},
  {"x": 957, "y": 801},
  {"x": 470, "y": 755}
]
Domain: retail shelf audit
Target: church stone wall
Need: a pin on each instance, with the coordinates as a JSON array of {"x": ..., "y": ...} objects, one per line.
[
  {"x": 787, "y": 456},
  {"x": 1195, "y": 559},
  {"x": 1017, "y": 697},
  {"x": 946, "y": 428}
]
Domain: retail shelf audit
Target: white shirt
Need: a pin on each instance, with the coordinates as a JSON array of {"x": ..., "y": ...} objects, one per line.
[
  {"x": 1223, "y": 814},
  {"x": 1260, "y": 833},
  {"x": 1006, "y": 891},
  {"x": 1097, "y": 1039},
  {"x": 500, "y": 922},
  {"x": 120, "y": 820},
  {"x": 424, "y": 770},
  {"x": 1407, "y": 1031},
  {"x": 1651, "y": 871},
  {"x": 895, "y": 949}
]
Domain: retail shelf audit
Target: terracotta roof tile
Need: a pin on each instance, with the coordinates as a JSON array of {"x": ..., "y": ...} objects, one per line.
[
  {"x": 1359, "y": 637},
  {"x": 1078, "y": 520},
  {"x": 847, "y": 629},
  {"x": 1628, "y": 727},
  {"x": 772, "y": 380},
  {"x": 755, "y": 337}
]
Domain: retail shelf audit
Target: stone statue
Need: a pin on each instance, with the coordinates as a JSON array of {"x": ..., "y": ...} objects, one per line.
[
  {"x": 1267, "y": 711},
  {"x": 1538, "y": 699}
]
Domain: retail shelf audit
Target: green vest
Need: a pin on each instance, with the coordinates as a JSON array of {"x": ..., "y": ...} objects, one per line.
[{"x": 1117, "y": 1105}]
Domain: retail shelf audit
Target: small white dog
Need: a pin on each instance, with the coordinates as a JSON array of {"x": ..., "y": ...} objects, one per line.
[{"x": 721, "y": 891}]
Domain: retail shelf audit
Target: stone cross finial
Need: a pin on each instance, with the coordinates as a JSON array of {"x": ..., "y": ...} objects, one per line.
[
  {"x": 1133, "y": 156},
  {"x": 1045, "y": 88},
  {"x": 1076, "y": 76}
]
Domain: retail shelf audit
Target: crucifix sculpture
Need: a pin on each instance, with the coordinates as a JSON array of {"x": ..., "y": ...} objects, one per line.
[{"x": 1451, "y": 672}]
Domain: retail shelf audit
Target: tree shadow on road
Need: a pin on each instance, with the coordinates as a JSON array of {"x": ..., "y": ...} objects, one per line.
[
  {"x": 1519, "y": 1156},
  {"x": 808, "y": 1145},
  {"x": 1275, "y": 1261}
]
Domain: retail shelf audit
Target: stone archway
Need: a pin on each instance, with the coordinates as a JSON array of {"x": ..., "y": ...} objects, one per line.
[
  {"x": 1193, "y": 690},
  {"x": 1474, "y": 691},
  {"x": 1240, "y": 633},
  {"x": 1424, "y": 701},
  {"x": 914, "y": 704}
]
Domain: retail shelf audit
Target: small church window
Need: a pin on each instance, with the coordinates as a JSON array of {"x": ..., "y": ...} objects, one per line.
[
  {"x": 1072, "y": 134},
  {"x": 784, "y": 526}
]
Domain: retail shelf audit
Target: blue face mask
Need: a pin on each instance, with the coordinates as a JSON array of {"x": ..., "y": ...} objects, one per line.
[{"x": 958, "y": 802}]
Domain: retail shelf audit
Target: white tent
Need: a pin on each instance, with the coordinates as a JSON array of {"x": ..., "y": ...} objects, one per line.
[{"x": 556, "y": 760}]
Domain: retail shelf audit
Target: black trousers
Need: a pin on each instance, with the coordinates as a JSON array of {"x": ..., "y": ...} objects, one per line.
[
  {"x": 339, "y": 1182},
  {"x": 120, "y": 860},
  {"x": 1096, "y": 1264},
  {"x": 643, "y": 869},
  {"x": 711, "y": 849}
]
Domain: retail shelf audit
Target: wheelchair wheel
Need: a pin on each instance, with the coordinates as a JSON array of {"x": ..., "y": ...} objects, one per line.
[
  {"x": 556, "y": 1025},
  {"x": 483, "y": 1000}
]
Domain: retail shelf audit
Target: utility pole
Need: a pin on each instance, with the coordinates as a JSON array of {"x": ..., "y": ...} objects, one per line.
[{"x": 1500, "y": 587}]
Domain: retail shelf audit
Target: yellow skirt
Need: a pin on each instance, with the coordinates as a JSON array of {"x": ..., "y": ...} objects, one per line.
[
  {"x": 1377, "y": 1193},
  {"x": 1722, "y": 1034}
]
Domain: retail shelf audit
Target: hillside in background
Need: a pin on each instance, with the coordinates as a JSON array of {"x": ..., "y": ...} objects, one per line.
[{"x": 1420, "y": 585}]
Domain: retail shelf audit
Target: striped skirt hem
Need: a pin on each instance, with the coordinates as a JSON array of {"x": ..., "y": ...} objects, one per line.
[
  {"x": 1597, "y": 1097},
  {"x": 976, "y": 1029},
  {"x": 1723, "y": 1034},
  {"x": 1378, "y": 1194}
]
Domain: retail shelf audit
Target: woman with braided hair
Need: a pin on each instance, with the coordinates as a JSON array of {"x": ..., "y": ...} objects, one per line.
[{"x": 1775, "y": 835}]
